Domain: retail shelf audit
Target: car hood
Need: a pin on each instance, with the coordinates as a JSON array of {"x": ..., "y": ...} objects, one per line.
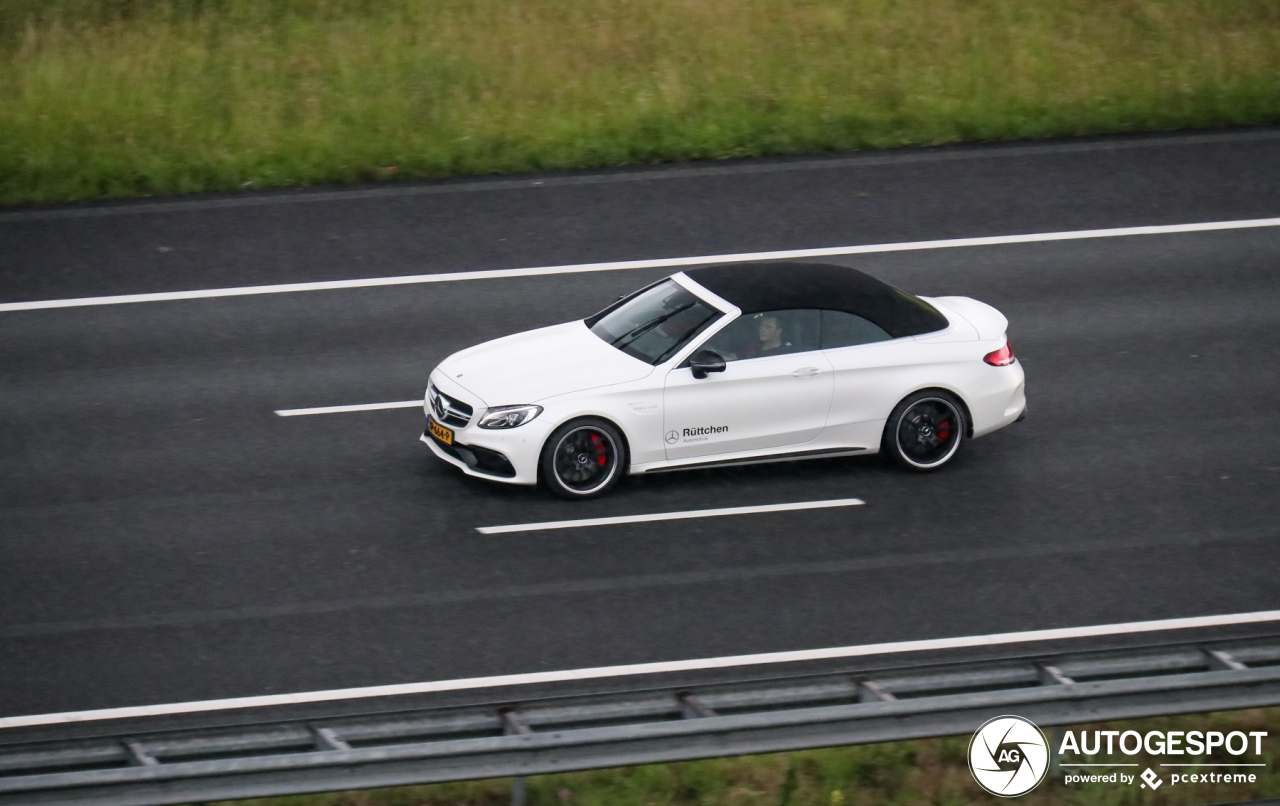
[{"x": 538, "y": 364}]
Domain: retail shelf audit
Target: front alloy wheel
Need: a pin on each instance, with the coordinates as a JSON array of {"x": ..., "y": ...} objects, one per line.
[
  {"x": 925, "y": 431},
  {"x": 582, "y": 459}
]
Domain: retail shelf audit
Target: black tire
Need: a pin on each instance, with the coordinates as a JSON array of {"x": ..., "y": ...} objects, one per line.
[
  {"x": 925, "y": 431},
  {"x": 583, "y": 459}
]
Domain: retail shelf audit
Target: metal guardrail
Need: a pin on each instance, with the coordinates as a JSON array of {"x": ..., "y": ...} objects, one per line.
[{"x": 568, "y": 733}]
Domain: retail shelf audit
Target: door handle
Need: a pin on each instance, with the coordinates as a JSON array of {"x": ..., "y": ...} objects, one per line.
[{"x": 805, "y": 372}]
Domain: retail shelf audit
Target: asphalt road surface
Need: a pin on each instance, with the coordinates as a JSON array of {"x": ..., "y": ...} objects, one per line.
[{"x": 165, "y": 537}]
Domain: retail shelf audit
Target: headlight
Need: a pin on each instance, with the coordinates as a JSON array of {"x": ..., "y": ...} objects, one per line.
[{"x": 509, "y": 416}]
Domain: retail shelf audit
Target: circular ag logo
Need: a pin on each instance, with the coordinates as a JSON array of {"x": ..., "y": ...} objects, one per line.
[
  {"x": 672, "y": 436},
  {"x": 1009, "y": 756}
]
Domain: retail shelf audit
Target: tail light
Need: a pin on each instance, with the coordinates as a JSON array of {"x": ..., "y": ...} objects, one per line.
[{"x": 1000, "y": 358}]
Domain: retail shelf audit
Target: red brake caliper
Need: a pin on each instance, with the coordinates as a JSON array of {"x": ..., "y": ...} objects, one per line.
[
  {"x": 944, "y": 429},
  {"x": 602, "y": 456}
]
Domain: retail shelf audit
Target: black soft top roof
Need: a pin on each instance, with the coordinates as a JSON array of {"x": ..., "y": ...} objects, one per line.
[{"x": 758, "y": 287}]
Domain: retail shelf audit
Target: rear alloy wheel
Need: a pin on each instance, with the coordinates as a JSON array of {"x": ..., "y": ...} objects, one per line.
[
  {"x": 582, "y": 459},
  {"x": 924, "y": 431}
]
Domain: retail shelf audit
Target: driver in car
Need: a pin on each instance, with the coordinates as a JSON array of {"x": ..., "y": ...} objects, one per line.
[{"x": 770, "y": 331}]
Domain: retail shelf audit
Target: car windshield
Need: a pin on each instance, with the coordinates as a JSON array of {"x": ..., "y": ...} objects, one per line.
[{"x": 654, "y": 323}]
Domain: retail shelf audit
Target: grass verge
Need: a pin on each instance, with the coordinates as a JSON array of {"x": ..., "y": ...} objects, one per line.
[
  {"x": 932, "y": 771},
  {"x": 127, "y": 97}
]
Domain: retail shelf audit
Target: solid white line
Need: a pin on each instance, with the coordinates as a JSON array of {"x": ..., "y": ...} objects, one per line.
[
  {"x": 788, "y": 254},
  {"x": 1196, "y": 765},
  {"x": 402, "y": 404},
  {"x": 639, "y": 669},
  {"x": 669, "y": 516},
  {"x": 1105, "y": 765}
]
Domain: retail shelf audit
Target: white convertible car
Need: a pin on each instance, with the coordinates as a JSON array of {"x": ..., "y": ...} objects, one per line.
[{"x": 728, "y": 365}]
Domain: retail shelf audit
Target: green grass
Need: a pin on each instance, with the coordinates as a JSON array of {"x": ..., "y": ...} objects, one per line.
[
  {"x": 930, "y": 772},
  {"x": 127, "y": 97}
]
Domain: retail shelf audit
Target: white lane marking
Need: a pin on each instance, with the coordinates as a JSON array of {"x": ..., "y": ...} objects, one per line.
[
  {"x": 639, "y": 669},
  {"x": 400, "y": 404},
  {"x": 669, "y": 516},
  {"x": 787, "y": 254}
]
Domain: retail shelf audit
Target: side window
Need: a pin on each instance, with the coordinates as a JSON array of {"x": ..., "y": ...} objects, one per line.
[
  {"x": 758, "y": 335},
  {"x": 844, "y": 329}
]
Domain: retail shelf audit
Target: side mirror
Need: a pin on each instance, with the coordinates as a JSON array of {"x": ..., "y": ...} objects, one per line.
[{"x": 706, "y": 361}]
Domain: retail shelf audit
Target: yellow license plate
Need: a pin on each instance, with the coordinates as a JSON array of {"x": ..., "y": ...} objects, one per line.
[{"x": 440, "y": 432}]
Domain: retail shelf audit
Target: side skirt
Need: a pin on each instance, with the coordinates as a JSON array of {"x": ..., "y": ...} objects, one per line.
[{"x": 826, "y": 453}]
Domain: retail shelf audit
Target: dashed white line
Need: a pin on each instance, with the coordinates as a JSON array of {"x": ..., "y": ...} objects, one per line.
[
  {"x": 660, "y": 667},
  {"x": 400, "y": 404},
  {"x": 675, "y": 262},
  {"x": 669, "y": 516}
]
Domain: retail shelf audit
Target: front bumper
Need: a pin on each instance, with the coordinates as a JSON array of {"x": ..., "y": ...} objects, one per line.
[
  {"x": 505, "y": 455},
  {"x": 510, "y": 461},
  {"x": 482, "y": 460}
]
